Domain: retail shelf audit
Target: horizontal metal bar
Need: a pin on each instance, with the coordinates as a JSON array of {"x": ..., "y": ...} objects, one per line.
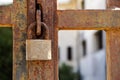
[
  {"x": 6, "y": 25},
  {"x": 5, "y": 15},
  {"x": 88, "y": 19}
]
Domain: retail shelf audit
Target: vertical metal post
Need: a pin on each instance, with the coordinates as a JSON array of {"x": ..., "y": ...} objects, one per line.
[
  {"x": 44, "y": 70},
  {"x": 113, "y": 3},
  {"x": 113, "y": 54},
  {"x": 113, "y": 44},
  {"x": 19, "y": 23}
]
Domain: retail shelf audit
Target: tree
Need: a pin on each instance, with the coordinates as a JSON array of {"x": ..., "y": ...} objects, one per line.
[
  {"x": 66, "y": 73},
  {"x": 5, "y": 53}
]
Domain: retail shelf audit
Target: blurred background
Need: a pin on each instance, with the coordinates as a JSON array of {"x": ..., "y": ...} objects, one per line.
[
  {"x": 82, "y": 54},
  {"x": 81, "y": 4},
  {"x": 6, "y": 41},
  {"x": 5, "y": 2}
]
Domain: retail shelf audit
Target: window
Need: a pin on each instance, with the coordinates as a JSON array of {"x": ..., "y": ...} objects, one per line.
[
  {"x": 99, "y": 39},
  {"x": 69, "y": 52},
  {"x": 59, "y": 53},
  {"x": 83, "y": 4},
  {"x": 84, "y": 47}
]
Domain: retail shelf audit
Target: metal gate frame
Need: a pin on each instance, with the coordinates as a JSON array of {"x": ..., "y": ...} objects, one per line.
[{"x": 21, "y": 14}]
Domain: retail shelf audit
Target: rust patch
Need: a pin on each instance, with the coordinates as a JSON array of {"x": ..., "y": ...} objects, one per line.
[
  {"x": 19, "y": 21},
  {"x": 5, "y": 15},
  {"x": 113, "y": 3},
  {"x": 31, "y": 11},
  {"x": 40, "y": 70}
]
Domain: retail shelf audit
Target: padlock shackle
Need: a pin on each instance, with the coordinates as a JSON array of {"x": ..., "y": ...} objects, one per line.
[
  {"x": 38, "y": 20},
  {"x": 31, "y": 32},
  {"x": 47, "y": 30}
]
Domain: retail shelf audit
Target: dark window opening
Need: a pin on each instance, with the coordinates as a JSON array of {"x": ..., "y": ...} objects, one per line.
[
  {"x": 59, "y": 53},
  {"x": 99, "y": 38},
  {"x": 84, "y": 48},
  {"x": 83, "y": 4},
  {"x": 69, "y": 50}
]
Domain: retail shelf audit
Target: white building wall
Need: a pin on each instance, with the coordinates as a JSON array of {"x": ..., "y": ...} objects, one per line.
[
  {"x": 88, "y": 36},
  {"x": 66, "y": 39},
  {"x": 95, "y": 4},
  {"x": 92, "y": 66},
  {"x": 88, "y": 4},
  {"x": 5, "y": 2}
]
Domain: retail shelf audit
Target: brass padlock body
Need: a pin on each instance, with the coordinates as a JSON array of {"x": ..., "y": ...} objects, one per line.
[{"x": 38, "y": 49}]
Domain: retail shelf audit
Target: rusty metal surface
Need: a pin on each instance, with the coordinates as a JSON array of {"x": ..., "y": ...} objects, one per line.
[
  {"x": 113, "y": 3},
  {"x": 40, "y": 70},
  {"x": 45, "y": 70},
  {"x": 113, "y": 51},
  {"x": 113, "y": 44},
  {"x": 5, "y": 15},
  {"x": 31, "y": 12},
  {"x": 19, "y": 21},
  {"x": 88, "y": 19}
]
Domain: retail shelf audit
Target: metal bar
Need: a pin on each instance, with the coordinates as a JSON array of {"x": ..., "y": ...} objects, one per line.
[
  {"x": 113, "y": 4},
  {"x": 113, "y": 56},
  {"x": 6, "y": 25},
  {"x": 113, "y": 44},
  {"x": 88, "y": 19},
  {"x": 5, "y": 15},
  {"x": 46, "y": 70},
  {"x": 19, "y": 21}
]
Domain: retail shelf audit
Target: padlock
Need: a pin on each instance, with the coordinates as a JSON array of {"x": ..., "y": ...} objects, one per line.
[{"x": 38, "y": 47}]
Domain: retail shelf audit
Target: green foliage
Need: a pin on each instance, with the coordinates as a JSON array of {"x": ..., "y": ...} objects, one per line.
[
  {"x": 66, "y": 73},
  {"x": 5, "y": 54}
]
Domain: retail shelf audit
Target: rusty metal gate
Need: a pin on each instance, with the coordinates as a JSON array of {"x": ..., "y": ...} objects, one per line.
[{"x": 21, "y": 14}]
